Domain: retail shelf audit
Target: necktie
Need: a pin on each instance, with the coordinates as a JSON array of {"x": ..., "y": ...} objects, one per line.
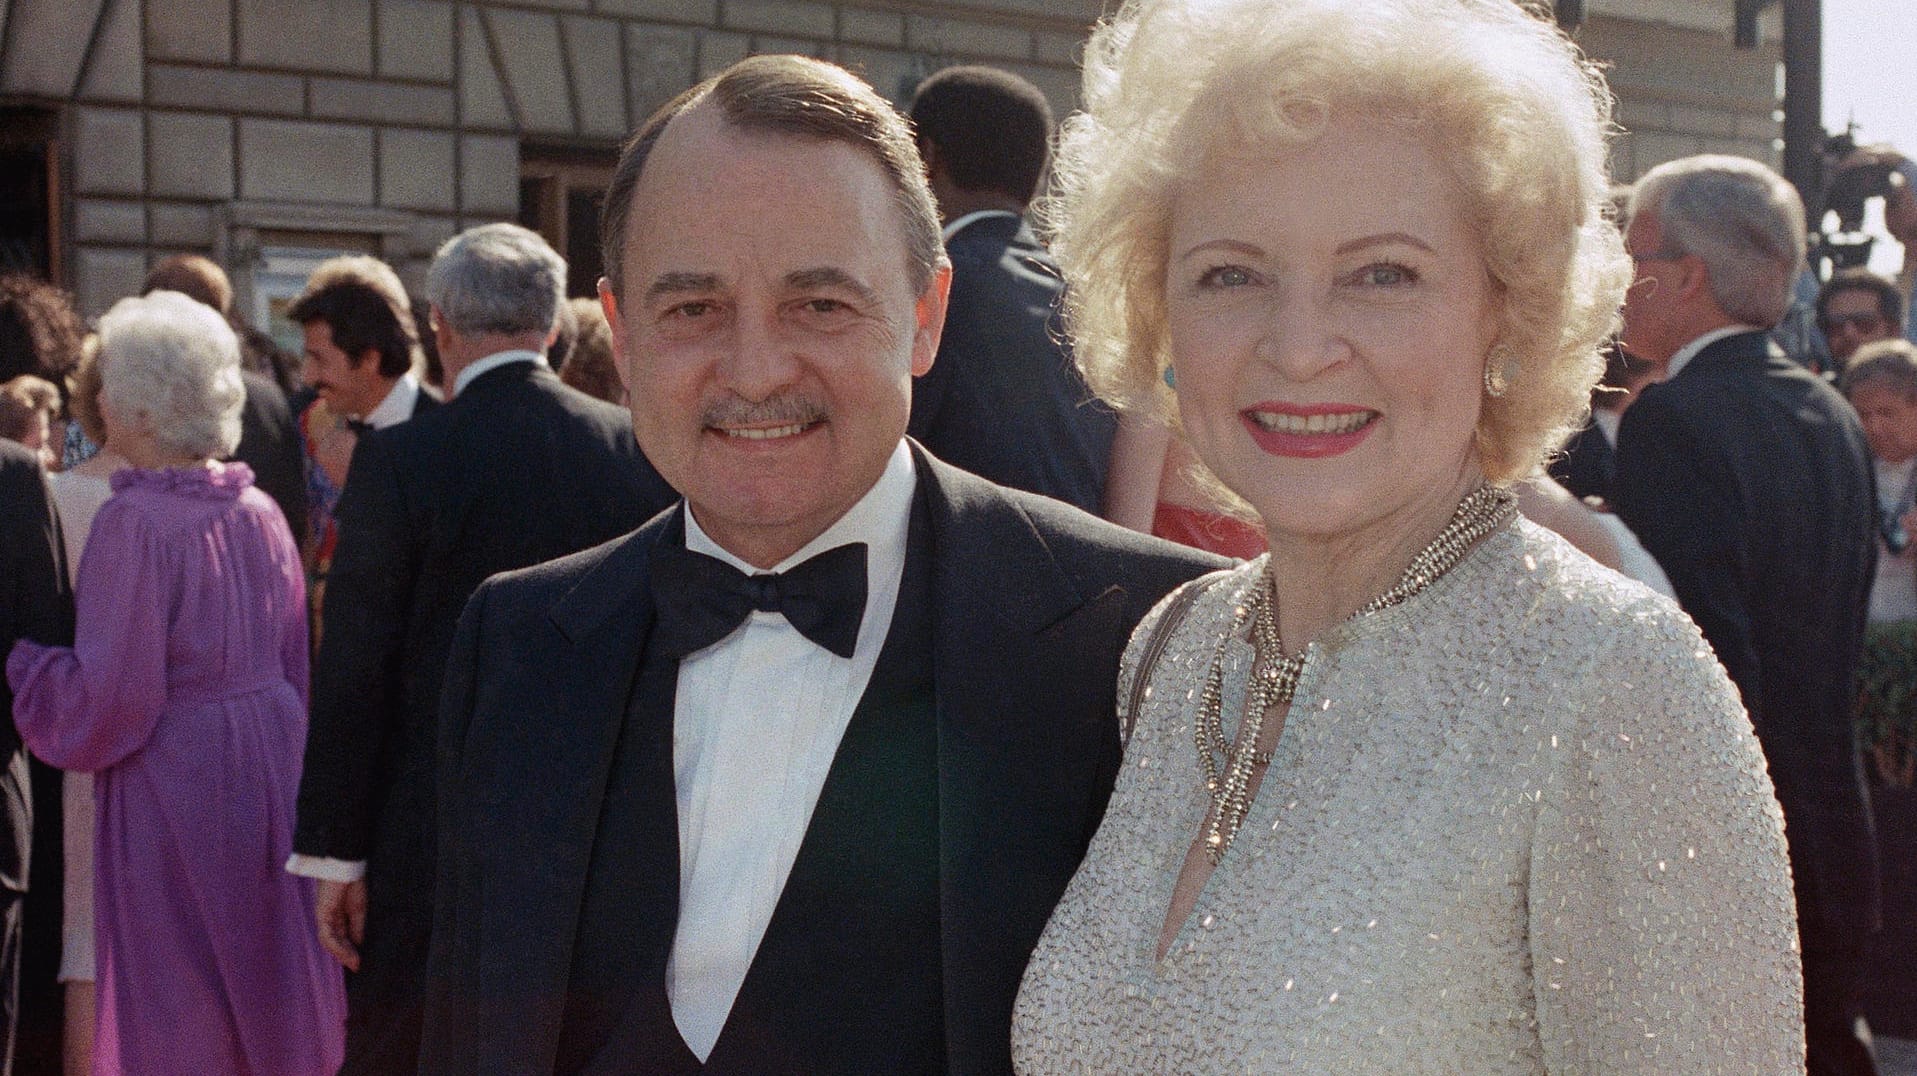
[{"x": 701, "y": 600}]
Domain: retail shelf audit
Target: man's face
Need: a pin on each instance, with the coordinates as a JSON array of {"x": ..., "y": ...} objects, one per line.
[
  {"x": 767, "y": 331},
  {"x": 1652, "y": 328},
  {"x": 1852, "y": 319},
  {"x": 350, "y": 384}
]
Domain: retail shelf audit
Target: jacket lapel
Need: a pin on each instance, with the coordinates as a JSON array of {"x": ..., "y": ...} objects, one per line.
[
  {"x": 564, "y": 730},
  {"x": 1014, "y": 644}
]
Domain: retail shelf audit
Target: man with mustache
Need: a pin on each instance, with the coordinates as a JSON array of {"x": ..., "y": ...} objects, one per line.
[
  {"x": 514, "y": 468},
  {"x": 789, "y": 779}
]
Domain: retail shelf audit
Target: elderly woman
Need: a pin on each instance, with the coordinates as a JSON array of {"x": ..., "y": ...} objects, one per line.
[
  {"x": 1424, "y": 789},
  {"x": 185, "y": 695},
  {"x": 1881, "y": 383}
]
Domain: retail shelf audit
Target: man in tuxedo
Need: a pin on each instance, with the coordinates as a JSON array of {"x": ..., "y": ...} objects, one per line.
[
  {"x": 790, "y": 779},
  {"x": 1004, "y": 399},
  {"x": 360, "y": 349},
  {"x": 1748, "y": 479},
  {"x": 514, "y": 469},
  {"x": 35, "y": 603}
]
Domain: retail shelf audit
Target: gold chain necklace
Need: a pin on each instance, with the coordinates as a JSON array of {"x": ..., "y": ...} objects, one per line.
[{"x": 1274, "y": 673}]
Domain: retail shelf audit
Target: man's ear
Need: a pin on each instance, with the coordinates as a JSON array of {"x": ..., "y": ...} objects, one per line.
[
  {"x": 930, "y": 318},
  {"x": 609, "y": 302},
  {"x": 371, "y": 355}
]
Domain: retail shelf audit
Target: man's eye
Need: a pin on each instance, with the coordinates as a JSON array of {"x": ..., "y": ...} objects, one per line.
[
  {"x": 693, "y": 309},
  {"x": 823, "y": 306}
]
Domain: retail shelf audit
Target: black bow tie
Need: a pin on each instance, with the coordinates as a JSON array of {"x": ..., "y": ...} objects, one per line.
[
  {"x": 358, "y": 425},
  {"x": 701, "y": 599}
]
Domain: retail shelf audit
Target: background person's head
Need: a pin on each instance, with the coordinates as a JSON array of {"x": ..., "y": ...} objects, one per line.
[
  {"x": 590, "y": 367},
  {"x": 197, "y": 277},
  {"x": 985, "y": 135},
  {"x": 1881, "y": 383},
  {"x": 1717, "y": 241},
  {"x": 493, "y": 288},
  {"x": 774, "y": 280},
  {"x": 170, "y": 389},
  {"x": 357, "y": 344},
  {"x": 1510, "y": 119},
  {"x": 1856, "y": 306},
  {"x": 27, "y": 407},
  {"x": 40, "y": 333}
]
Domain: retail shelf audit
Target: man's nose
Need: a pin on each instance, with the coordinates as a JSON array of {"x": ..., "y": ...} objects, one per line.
[{"x": 760, "y": 360}]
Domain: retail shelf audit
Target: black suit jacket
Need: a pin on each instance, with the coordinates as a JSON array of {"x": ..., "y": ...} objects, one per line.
[
  {"x": 1003, "y": 398},
  {"x": 1032, "y": 605},
  {"x": 1748, "y": 478},
  {"x": 1588, "y": 465},
  {"x": 270, "y": 445},
  {"x": 515, "y": 470}
]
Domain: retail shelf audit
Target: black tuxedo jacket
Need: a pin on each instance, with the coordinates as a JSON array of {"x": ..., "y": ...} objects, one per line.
[
  {"x": 1748, "y": 478},
  {"x": 1031, "y": 604},
  {"x": 1003, "y": 398},
  {"x": 270, "y": 445},
  {"x": 515, "y": 470},
  {"x": 1588, "y": 464}
]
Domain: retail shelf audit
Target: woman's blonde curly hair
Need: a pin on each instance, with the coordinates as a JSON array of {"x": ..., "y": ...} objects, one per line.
[{"x": 1520, "y": 116}]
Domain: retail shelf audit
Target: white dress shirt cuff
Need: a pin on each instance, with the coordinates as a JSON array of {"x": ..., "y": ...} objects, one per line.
[{"x": 324, "y": 869}]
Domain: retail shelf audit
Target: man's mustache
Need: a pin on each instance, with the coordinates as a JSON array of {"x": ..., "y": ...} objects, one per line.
[{"x": 784, "y": 409}]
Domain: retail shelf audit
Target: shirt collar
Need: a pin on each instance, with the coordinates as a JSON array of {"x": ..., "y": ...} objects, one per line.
[
  {"x": 493, "y": 362},
  {"x": 398, "y": 405},
  {"x": 878, "y": 519},
  {"x": 960, "y": 224},
  {"x": 1691, "y": 350}
]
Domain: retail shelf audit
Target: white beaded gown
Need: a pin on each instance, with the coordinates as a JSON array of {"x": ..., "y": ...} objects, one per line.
[{"x": 1517, "y": 824}]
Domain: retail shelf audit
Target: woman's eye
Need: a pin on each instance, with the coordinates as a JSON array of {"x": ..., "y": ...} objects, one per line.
[
  {"x": 1387, "y": 274},
  {"x": 1225, "y": 276}
]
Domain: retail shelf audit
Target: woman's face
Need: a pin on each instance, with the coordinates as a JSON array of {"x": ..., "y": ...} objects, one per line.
[
  {"x": 1890, "y": 421},
  {"x": 1329, "y": 314}
]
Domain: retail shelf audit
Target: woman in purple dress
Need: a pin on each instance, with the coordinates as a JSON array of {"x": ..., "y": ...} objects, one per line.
[{"x": 185, "y": 694}]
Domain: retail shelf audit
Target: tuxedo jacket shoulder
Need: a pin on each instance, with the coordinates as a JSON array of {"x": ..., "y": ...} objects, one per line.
[
  {"x": 1748, "y": 479},
  {"x": 1033, "y": 604},
  {"x": 1003, "y": 398},
  {"x": 519, "y": 469},
  {"x": 270, "y": 445}
]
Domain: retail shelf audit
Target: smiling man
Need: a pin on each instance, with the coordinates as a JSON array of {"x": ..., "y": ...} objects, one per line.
[{"x": 789, "y": 779}]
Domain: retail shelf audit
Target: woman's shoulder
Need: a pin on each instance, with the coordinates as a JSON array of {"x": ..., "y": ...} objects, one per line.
[{"x": 1566, "y": 584}]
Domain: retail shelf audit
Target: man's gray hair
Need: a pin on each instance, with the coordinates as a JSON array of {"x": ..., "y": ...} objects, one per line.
[
  {"x": 1741, "y": 219},
  {"x": 177, "y": 362},
  {"x": 497, "y": 278}
]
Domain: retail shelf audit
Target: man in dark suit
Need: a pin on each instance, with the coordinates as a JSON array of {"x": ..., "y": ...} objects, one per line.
[
  {"x": 1748, "y": 478},
  {"x": 35, "y": 603},
  {"x": 1004, "y": 400},
  {"x": 360, "y": 349},
  {"x": 515, "y": 469},
  {"x": 790, "y": 779}
]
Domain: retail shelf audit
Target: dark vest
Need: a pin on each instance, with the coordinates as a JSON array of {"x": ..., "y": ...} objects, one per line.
[{"x": 848, "y": 976}]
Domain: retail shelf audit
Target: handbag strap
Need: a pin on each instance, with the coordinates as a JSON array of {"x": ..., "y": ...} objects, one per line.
[{"x": 1156, "y": 642}]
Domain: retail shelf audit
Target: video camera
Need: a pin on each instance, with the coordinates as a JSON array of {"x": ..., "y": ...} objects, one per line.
[{"x": 1867, "y": 175}]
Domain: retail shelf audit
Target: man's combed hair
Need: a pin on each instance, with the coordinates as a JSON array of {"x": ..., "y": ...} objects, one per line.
[
  {"x": 361, "y": 318},
  {"x": 497, "y": 278},
  {"x": 993, "y": 129},
  {"x": 798, "y": 97},
  {"x": 1505, "y": 99},
  {"x": 1742, "y": 220}
]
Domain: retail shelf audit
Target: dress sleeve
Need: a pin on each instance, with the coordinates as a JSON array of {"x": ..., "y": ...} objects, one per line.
[
  {"x": 1663, "y": 933},
  {"x": 88, "y": 706}
]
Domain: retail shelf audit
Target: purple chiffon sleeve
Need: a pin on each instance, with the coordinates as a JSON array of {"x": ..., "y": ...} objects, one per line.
[{"x": 88, "y": 706}]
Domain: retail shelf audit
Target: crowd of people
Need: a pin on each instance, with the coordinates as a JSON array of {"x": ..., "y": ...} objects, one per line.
[{"x": 733, "y": 672}]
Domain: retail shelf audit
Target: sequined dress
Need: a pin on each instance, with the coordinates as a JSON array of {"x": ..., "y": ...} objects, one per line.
[{"x": 1517, "y": 824}]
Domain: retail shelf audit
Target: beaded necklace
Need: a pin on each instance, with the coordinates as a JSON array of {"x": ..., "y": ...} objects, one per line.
[{"x": 1274, "y": 673}]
